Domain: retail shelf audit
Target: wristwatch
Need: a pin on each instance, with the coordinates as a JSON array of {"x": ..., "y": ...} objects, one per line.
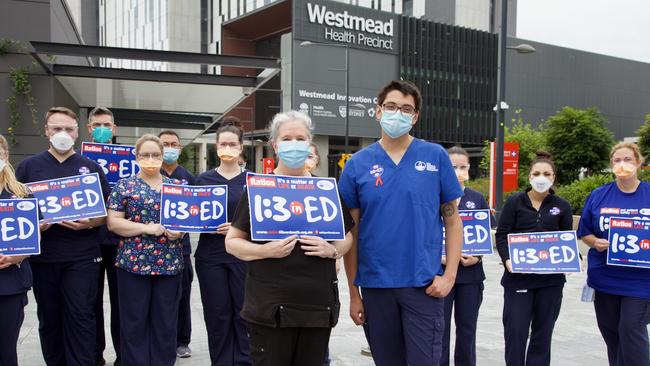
[{"x": 336, "y": 253}]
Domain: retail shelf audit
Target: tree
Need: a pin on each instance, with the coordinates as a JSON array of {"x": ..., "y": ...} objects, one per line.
[
  {"x": 530, "y": 141},
  {"x": 644, "y": 137},
  {"x": 578, "y": 139}
]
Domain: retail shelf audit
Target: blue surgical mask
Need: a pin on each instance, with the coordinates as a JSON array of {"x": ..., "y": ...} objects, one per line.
[
  {"x": 395, "y": 124},
  {"x": 170, "y": 154},
  {"x": 293, "y": 153},
  {"x": 103, "y": 135}
]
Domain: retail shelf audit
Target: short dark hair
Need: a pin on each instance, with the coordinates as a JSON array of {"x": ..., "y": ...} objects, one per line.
[
  {"x": 405, "y": 87},
  {"x": 100, "y": 111},
  {"x": 169, "y": 132},
  {"x": 231, "y": 124}
]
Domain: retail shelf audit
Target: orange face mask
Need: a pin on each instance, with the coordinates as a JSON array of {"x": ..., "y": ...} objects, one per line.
[
  {"x": 228, "y": 154},
  {"x": 624, "y": 170},
  {"x": 150, "y": 166}
]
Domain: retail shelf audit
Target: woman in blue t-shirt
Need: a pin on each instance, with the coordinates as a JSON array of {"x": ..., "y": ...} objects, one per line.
[
  {"x": 467, "y": 294},
  {"x": 622, "y": 294},
  {"x": 531, "y": 302},
  {"x": 149, "y": 262},
  {"x": 15, "y": 273},
  {"x": 221, "y": 275}
]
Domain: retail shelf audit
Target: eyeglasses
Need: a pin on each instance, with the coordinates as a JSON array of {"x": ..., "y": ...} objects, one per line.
[
  {"x": 154, "y": 156},
  {"x": 626, "y": 159},
  {"x": 464, "y": 168},
  {"x": 406, "y": 109}
]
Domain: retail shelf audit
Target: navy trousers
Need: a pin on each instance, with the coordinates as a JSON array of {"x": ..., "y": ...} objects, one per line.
[
  {"x": 465, "y": 300},
  {"x": 184, "y": 309},
  {"x": 65, "y": 296},
  {"x": 531, "y": 311},
  {"x": 222, "y": 295},
  {"x": 107, "y": 270},
  {"x": 148, "y": 320},
  {"x": 623, "y": 322},
  {"x": 12, "y": 314},
  {"x": 404, "y": 326}
]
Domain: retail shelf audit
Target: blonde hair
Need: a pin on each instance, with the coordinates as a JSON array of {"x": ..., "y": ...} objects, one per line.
[
  {"x": 628, "y": 145},
  {"x": 8, "y": 175},
  {"x": 145, "y": 138}
]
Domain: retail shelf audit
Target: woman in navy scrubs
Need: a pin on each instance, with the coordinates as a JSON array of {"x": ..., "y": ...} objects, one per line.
[
  {"x": 149, "y": 262},
  {"x": 15, "y": 273},
  {"x": 291, "y": 298},
  {"x": 466, "y": 296},
  {"x": 531, "y": 301},
  {"x": 622, "y": 294},
  {"x": 221, "y": 275}
]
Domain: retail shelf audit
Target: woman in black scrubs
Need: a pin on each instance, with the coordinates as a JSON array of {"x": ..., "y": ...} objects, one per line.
[
  {"x": 531, "y": 301},
  {"x": 467, "y": 295},
  {"x": 15, "y": 273},
  {"x": 221, "y": 275},
  {"x": 291, "y": 300}
]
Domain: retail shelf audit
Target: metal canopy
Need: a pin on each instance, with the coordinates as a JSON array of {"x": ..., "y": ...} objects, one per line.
[{"x": 182, "y": 93}]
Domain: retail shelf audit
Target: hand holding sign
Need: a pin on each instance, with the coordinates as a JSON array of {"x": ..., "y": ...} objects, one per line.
[
  {"x": 280, "y": 248},
  {"x": 601, "y": 245},
  {"x": 173, "y": 235},
  {"x": 468, "y": 260},
  {"x": 223, "y": 228},
  {"x": 8, "y": 261},
  {"x": 80, "y": 224},
  {"x": 154, "y": 229},
  {"x": 317, "y": 246}
]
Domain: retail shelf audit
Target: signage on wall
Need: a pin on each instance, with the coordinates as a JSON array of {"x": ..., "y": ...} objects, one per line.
[{"x": 355, "y": 30}]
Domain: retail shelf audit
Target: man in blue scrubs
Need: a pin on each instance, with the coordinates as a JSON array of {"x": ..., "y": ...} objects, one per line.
[
  {"x": 66, "y": 271},
  {"x": 400, "y": 191},
  {"x": 171, "y": 151},
  {"x": 101, "y": 127}
]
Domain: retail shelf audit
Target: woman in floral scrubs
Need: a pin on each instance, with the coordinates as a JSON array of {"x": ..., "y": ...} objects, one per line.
[{"x": 149, "y": 261}]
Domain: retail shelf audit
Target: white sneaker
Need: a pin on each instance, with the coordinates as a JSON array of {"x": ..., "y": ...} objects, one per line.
[{"x": 183, "y": 352}]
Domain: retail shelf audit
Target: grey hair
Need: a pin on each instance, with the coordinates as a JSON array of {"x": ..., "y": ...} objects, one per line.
[{"x": 283, "y": 117}]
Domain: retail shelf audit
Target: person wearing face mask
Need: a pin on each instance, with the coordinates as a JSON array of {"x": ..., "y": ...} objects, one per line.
[
  {"x": 65, "y": 273},
  {"x": 149, "y": 262},
  {"x": 622, "y": 294},
  {"x": 15, "y": 272},
  {"x": 221, "y": 275},
  {"x": 466, "y": 296},
  {"x": 291, "y": 298},
  {"x": 531, "y": 301},
  {"x": 101, "y": 127},
  {"x": 170, "y": 168},
  {"x": 401, "y": 190},
  {"x": 313, "y": 159}
]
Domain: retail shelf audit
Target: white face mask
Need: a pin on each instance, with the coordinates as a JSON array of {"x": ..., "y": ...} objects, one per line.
[
  {"x": 3, "y": 163},
  {"x": 541, "y": 184},
  {"x": 62, "y": 142}
]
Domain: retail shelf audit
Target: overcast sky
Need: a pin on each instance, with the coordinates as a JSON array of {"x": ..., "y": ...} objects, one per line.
[{"x": 618, "y": 28}]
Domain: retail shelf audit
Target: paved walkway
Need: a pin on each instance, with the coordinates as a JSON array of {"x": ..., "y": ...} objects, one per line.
[{"x": 576, "y": 340}]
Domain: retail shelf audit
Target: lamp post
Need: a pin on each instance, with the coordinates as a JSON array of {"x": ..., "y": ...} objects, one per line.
[
  {"x": 347, "y": 83},
  {"x": 501, "y": 104}
]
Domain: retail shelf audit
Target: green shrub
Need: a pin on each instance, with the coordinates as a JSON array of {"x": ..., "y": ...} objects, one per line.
[
  {"x": 644, "y": 137},
  {"x": 577, "y": 191}
]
